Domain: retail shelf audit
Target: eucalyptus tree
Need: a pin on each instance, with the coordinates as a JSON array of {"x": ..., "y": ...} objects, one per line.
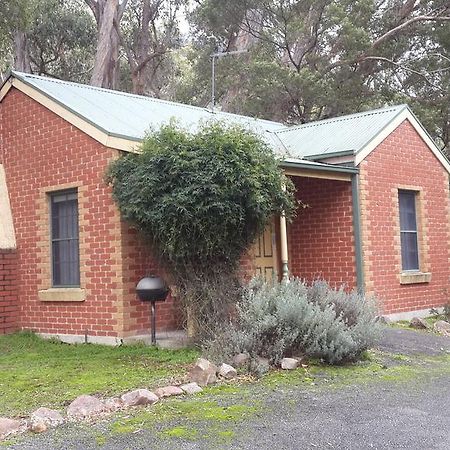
[
  {"x": 108, "y": 15},
  {"x": 312, "y": 59},
  {"x": 47, "y": 37},
  {"x": 149, "y": 33}
]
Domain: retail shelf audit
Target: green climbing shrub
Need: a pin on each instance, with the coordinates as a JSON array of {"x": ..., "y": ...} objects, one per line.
[{"x": 202, "y": 198}]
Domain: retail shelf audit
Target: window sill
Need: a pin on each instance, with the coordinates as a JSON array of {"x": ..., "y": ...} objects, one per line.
[
  {"x": 415, "y": 277},
  {"x": 62, "y": 295}
]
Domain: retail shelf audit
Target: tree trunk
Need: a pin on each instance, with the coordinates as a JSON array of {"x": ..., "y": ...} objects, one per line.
[
  {"x": 22, "y": 61},
  {"x": 106, "y": 65},
  {"x": 151, "y": 42}
]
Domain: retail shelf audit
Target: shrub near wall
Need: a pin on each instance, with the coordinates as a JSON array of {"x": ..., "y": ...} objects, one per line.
[
  {"x": 201, "y": 199},
  {"x": 281, "y": 319}
]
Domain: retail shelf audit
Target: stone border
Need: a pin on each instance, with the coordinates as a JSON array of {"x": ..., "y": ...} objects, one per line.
[{"x": 89, "y": 407}]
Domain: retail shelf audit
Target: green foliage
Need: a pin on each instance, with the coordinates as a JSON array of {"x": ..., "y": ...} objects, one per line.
[
  {"x": 310, "y": 60},
  {"x": 60, "y": 37},
  {"x": 280, "y": 319},
  {"x": 36, "y": 372},
  {"x": 201, "y": 197}
]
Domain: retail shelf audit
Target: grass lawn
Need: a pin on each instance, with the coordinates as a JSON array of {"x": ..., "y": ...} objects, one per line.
[{"x": 35, "y": 372}]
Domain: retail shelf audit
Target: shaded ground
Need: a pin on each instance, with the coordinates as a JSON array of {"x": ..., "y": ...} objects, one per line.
[{"x": 400, "y": 398}]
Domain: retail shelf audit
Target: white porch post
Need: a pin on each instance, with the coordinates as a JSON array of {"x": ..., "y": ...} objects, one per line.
[{"x": 284, "y": 249}]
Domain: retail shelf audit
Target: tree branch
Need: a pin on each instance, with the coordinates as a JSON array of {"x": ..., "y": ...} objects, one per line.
[
  {"x": 399, "y": 28},
  {"x": 407, "y": 68}
]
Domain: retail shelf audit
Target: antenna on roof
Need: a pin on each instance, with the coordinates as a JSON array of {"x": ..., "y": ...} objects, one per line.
[{"x": 213, "y": 72}]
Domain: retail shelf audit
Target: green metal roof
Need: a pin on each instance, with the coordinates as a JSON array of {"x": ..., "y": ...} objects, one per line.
[
  {"x": 345, "y": 135},
  {"x": 131, "y": 116}
]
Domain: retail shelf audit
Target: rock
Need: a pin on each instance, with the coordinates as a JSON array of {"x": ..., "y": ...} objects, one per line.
[
  {"x": 227, "y": 371},
  {"x": 44, "y": 418},
  {"x": 85, "y": 406},
  {"x": 289, "y": 363},
  {"x": 302, "y": 360},
  {"x": 418, "y": 323},
  {"x": 168, "y": 391},
  {"x": 203, "y": 373},
  {"x": 191, "y": 388},
  {"x": 113, "y": 404},
  {"x": 383, "y": 320},
  {"x": 139, "y": 397},
  {"x": 241, "y": 359},
  {"x": 9, "y": 426},
  {"x": 442, "y": 327},
  {"x": 38, "y": 427}
]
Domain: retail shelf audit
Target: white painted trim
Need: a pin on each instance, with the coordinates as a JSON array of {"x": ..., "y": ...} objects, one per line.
[
  {"x": 404, "y": 115},
  {"x": 408, "y": 315},
  {"x": 7, "y": 234},
  {"x": 104, "y": 138}
]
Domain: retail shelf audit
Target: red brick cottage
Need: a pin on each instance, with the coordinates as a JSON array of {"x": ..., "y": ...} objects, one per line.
[{"x": 375, "y": 185}]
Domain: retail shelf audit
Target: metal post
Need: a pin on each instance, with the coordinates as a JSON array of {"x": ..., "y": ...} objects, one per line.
[
  {"x": 357, "y": 233},
  {"x": 213, "y": 72},
  {"x": 213, "y": 82},
  {"x": 153, "y": 323},
  {"x": 284, "y": 250}
]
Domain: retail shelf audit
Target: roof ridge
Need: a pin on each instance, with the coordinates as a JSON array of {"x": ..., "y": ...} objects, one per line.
[
  {"x": 343, "y": 118},
  {"x": 141, "y": 97}
]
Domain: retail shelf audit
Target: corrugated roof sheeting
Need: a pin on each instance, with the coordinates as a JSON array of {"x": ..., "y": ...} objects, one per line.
[
  {"x": 131, "y": 116},
  {"x": 341, "y": 134}
]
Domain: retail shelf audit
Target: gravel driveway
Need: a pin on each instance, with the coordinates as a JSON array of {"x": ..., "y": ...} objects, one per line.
[{"x": 404, "y": 414}]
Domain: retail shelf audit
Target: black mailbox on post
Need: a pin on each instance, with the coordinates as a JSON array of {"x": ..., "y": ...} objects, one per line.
[{"x": 152, "y": 289}]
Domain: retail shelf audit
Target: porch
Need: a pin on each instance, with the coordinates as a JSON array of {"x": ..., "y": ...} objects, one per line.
[{"x": 323, "y": 240}]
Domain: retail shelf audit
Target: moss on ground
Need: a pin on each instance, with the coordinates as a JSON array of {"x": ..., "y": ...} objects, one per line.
[
  {"x": 212, "y": 418},
  {"x": 181, "y": 433},
  {"x": 399, "y": 368},
  {"x": 195, "y": 410},
  {"x": 213, "y": 414}
]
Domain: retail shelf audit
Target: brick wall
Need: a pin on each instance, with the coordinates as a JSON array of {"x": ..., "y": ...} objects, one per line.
[
  {"x": 138, "y": 262},
  {"x": 9, "y": 308},
  {"x": 321, "y": 241},
  {"x": 41, "y": 153},
  {"x": 403, "y": 160}
]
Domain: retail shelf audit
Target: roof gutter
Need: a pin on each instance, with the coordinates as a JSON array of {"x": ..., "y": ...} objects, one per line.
[
  {"x": 318, "y": 166},
  {"x": 321, "y": 156}
]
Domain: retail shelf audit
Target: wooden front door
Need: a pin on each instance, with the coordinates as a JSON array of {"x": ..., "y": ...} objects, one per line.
[{"x": 265, "y": 254}]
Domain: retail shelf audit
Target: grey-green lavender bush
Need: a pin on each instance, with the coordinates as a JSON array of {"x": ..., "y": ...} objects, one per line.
[{"x": 280, "y": 319}]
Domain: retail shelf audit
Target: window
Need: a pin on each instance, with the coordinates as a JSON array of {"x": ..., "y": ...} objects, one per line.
[
  {"x": 64, "y": 238},
  {"x": 408, "y": 230}
]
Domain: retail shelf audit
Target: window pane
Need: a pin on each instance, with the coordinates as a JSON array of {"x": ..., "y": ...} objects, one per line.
[
  {"x": 56, "y": 264},
  {"x": 65, "y": 248},
  {"x": 410, "y": 254},
  {"x": 407, "y": 202}
]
